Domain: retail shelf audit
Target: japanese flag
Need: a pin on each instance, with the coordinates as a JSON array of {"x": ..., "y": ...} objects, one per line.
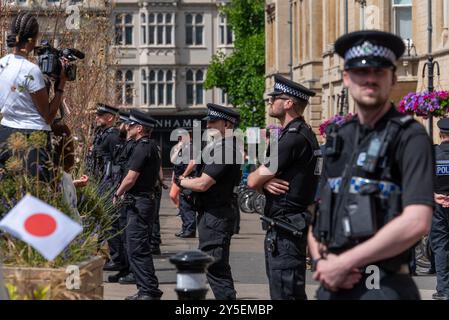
[{"x": 40, "y": 225}]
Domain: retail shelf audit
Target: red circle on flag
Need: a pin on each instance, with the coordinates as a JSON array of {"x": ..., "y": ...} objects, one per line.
[{"x": 40, "y": 224}]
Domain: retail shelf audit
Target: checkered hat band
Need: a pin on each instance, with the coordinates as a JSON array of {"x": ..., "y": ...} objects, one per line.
[
  {"x": 288, "y": 90},
  {"x": 221, "y": 115},
  {"x": 376, "y": 51}
]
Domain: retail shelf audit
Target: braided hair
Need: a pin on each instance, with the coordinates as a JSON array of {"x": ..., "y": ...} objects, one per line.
[{"x": 23, "y": 28}]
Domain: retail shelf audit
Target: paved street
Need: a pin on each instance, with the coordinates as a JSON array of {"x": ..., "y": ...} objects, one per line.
[{"x": 247, "y": 261}]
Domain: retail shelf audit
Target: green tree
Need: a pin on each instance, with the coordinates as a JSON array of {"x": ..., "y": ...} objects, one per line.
[{"x": 242, "y": 74}]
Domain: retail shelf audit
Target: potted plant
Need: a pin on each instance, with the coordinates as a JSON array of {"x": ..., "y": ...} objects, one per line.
[
  {"x": 27, "y": 274},
  {"x": 425, "y": 104},
  {"x": 336, "y": 120}
]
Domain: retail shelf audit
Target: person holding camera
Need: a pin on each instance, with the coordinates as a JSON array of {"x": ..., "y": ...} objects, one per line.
[
  {"x": 376, "y": 195},
  {"x": 24, "y": 100}
]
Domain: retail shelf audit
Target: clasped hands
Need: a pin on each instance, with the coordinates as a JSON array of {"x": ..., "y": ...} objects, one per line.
[
  {"x": 442, "y": 200},
  {"x": 334, "y": 273}
]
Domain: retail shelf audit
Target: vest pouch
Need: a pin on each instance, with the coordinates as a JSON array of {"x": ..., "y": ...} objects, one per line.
[
  {"x": 322, "y": 223},
  {"x": 361, "y": 222}
]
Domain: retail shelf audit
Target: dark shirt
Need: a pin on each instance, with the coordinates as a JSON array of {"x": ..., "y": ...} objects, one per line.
[
  {"x": 109, "y": 144},
  {"x": 408, "y": 176},
  {"x": 226, "y": 175},
  {"x": 297, "y": 164},
  {"x": 145, "y": 160}
]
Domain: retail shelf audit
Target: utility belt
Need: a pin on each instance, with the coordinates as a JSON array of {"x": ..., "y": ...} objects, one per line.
[
  {"x": 398, "y": 264},
  {"x": 131, "y": 198},
  {"x": 402, "y": 269},
  {"x": 291, "y": 224}
]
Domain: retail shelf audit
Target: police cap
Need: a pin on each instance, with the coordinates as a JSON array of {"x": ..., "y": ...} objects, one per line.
[
  {"x": 103, "y": 108},
  {"x": 291, "y": 88},
  {"x": 217, "y": 112},
  {"x": 370, "y": 49},
  {"x": 124, "y": 116},
  {"x": 443, "y": 124},
  {"x": 142, "y": 118}
]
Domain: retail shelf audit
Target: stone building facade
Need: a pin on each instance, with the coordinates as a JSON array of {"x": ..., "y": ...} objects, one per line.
[
  {"x": 164, "y": 48},
  {"x": 303, "y": 49}
]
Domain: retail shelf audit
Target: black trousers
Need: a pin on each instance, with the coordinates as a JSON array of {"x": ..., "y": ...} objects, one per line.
[
  {"x": 155, "y": 239},
  {"x": 215, "y": 229},
  {"x": 38, "y": 161},
  {"x": 439, "y": 240},
  {"x": 140, "y": 215},
  {"x": 188, "y": 215},
  {"x": 391, "y": 287},
  {"x": 285, "y": 263}
]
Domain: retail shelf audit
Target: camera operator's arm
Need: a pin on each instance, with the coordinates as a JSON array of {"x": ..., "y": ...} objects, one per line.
[{"x": 46, "y": 109}]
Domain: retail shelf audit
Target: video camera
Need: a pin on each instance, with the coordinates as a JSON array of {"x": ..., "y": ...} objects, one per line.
[{"x": 49, "y": 60}]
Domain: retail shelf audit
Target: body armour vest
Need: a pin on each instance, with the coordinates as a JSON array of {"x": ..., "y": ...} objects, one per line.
[
  {"x": 442, "y": 168},
  {"x": 303, "y": 175},
  {"x": 357, "y": 197}
]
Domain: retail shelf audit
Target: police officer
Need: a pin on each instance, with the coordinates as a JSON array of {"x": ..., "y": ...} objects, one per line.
[
  {"x": 213, "y": 190},
  {"x": 183, "y": 165},
  {"x": 122, "y": 153},
  {"x": 106, "y": 138},
  {"x": 155, "y": 239},
  {"x": 137, "y": 190},
  {"x": 439, "y": 232},
  {"x": 105, "y": 143},
  {"x": 376, "y": 196},
  {"x": 289, "y": 188}
]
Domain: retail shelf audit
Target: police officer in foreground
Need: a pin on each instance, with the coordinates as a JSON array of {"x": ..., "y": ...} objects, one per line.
[
  {"x": 289, "y": 188},
  {"x": 439, "y": 232},
  {"x": 213, "y": 194},
  {"x": 376, "y": 196},
  {"x": 137, "y": 192}
]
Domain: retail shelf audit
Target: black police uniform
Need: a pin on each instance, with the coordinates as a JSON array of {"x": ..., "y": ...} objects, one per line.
[
  {"x": 140, "y": 206},
  {"x": 439, "y": 233},
  {"x": 155, "y": 238},
  {"x": 122, "y": 154},
  {"x": 298, "y": 151},
  {"x": 216, "y": 216},
  {"x": 371, "y": 174},
  {"x": 186, "y": 209},
  {"x": 104, "y": 144}
]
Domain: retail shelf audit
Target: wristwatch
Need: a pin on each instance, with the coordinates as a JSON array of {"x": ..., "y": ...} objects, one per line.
[{"x": 315, "y": 263}]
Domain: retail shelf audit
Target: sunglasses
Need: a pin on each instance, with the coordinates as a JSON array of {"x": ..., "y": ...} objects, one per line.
[{"x": 272, "y": 99}]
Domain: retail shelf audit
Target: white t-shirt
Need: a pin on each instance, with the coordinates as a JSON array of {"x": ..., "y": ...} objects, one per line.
[{"x": 18, "y": 78}]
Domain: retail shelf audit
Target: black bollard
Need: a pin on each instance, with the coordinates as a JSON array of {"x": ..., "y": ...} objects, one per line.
[{"x": 191, "y": 283}]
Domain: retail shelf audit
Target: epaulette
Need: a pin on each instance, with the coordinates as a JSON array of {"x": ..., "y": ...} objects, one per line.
[{"x": 403, "y": 121}]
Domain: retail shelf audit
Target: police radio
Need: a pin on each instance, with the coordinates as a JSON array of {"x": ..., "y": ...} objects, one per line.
[
  {"x": 372, "y": 155},
  {"x": 333, "y": 141}
]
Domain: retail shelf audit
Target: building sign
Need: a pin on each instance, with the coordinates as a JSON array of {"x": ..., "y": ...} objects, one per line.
[{"x": 173, "y": 122}]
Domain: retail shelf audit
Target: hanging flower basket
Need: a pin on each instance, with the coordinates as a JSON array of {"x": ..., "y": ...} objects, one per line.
[
  {"x": 273, "y": 128},
  {"x": 425, "y": 104},
  {"x": 337, "y": 119}
]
